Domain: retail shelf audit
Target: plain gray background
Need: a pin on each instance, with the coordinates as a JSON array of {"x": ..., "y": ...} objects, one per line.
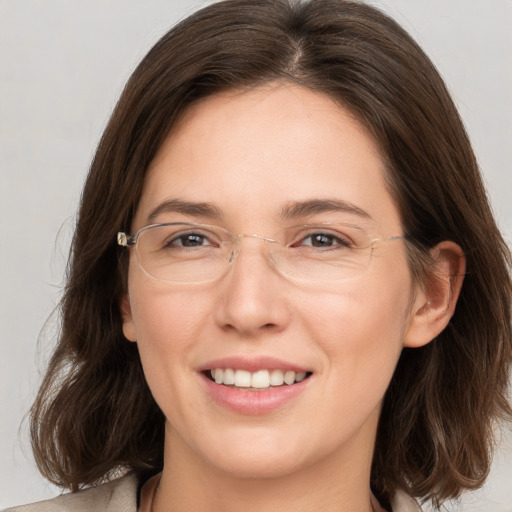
[{"x": 63, "y": 65}]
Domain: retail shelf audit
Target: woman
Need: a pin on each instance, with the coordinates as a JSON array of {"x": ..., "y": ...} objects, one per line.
[{"x": 307, "y": 293}]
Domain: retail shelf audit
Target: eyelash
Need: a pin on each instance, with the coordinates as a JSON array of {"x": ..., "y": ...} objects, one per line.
[
  {"x": 334, "y": 240},
  {"x": 183, "y": 236}
]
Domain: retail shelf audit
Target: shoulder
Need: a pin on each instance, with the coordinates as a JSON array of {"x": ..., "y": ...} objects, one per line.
[
  {"x": 121, "y": 496},
  {"x": 402, "y": 502},
  {"x": 117, "y": 496}
]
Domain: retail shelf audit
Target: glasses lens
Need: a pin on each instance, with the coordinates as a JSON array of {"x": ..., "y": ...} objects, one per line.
[
  {"x": 325, "y": 252},
  {"x": 183, "y": 252},
  {"x": 195, "y": 253}
]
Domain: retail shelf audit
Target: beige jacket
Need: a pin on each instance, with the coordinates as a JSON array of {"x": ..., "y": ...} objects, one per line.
[{"x": 121, "y": 496}]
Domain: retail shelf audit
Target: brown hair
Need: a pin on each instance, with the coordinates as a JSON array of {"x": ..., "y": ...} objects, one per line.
[{"x": 94, "y": 412}]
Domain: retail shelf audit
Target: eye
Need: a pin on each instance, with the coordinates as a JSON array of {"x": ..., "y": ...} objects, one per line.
[
  {"x": 189, "y": 240},
  {"x": 324, "y": 241}
]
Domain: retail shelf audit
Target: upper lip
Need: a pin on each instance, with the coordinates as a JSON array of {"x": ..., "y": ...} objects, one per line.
[{"x": 252, "y": 364}]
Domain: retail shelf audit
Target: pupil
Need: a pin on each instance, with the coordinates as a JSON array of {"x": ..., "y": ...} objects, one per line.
[
  {"x": 192, "y": 240},
  {"x": 322, "y": 241}
]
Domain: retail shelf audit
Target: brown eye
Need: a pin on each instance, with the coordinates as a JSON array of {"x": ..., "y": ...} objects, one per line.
[
  {"x": 191, "y": 240},
  {"x": 324, "y": 241},
  {"x": 188, "y": 240}
]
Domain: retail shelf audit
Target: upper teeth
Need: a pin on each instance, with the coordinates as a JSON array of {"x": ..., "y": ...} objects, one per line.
[{"x": 259, "y": 379}]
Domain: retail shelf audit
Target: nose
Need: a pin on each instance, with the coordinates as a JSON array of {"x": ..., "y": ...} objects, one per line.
[{"x": 252, "y": 295}]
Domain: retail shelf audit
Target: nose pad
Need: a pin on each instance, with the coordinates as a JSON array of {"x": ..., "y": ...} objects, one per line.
[
  {"x": 235, "y": 251},
  {"x": 235, "y": 248}
]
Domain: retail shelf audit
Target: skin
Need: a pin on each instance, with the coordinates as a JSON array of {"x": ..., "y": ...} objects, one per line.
[{"x": 249, "y": 154}]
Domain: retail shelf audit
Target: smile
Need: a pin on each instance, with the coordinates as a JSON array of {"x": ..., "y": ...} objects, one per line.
[
  {"x": 258, "y": 380},
  {"x": 255, "y": 385}
]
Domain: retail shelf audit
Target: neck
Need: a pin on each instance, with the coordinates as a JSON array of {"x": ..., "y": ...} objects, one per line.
[{"x": 192, "y": 484}]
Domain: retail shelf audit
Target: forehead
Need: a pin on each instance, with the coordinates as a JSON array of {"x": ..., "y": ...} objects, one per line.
[{"x": 250, "y": 153}]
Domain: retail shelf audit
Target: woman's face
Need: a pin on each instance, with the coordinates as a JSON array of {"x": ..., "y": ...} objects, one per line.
[{"x": 273, "y": 157}]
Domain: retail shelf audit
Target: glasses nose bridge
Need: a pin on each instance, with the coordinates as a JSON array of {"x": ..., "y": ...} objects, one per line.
[{"x": 237, "y": 239}]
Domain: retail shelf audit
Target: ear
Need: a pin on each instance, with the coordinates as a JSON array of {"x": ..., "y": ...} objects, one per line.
[
  {"x": 434, "y": 303},
  {"x": 129, "y": 330}
]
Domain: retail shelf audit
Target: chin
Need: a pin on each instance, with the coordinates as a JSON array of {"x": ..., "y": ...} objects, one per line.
[
  {"x": 259, "y": 467},
  {"x": 255, "y": 456}
]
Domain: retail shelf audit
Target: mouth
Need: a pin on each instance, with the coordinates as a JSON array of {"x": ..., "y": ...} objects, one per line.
[
  {"x": 255, "y": 385},
  {"x": 260, "y": 380}
]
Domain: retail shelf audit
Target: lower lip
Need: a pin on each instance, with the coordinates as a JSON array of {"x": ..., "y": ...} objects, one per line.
[{"x": 254, "y": 402}]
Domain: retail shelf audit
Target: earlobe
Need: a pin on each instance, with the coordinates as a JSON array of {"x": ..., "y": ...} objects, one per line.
[
  {"x": 434, "y": 305},
  {"x": 128, "y": 323}
]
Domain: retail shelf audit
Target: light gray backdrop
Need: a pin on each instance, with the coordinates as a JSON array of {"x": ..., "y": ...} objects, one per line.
[{"x": 62, "y": 66}]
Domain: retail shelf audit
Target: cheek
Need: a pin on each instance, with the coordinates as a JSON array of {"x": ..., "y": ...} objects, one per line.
[
  {"x": 166, "y": 321},
  {"x": 167, "y": 326},
  {"x": 360, "y": 332}
]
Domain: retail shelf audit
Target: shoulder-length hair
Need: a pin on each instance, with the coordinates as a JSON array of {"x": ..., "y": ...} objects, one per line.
[{"x": 95, "y": 414}]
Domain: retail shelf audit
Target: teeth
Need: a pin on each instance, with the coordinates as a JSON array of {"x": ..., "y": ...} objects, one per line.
[
  {"x": 218, "y": 376},
  {"x": 276, "y": 378},
  {"x": 289, "y": 377},
  {"x": 242, "y": 379},
  {"x": 261, "y": 379},
  {"x": 228, "y": 377},
  {"x": 300, "y": 376}
]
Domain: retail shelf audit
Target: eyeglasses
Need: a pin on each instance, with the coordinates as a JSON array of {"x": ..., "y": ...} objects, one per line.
[{"x": 183, "y": 252}]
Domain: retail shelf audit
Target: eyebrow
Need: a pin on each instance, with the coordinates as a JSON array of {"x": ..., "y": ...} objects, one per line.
[
  {"x": 296, "y": 209},
  {"x": 291, "y": 210},
  {"x": 193, "y": 209}
]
